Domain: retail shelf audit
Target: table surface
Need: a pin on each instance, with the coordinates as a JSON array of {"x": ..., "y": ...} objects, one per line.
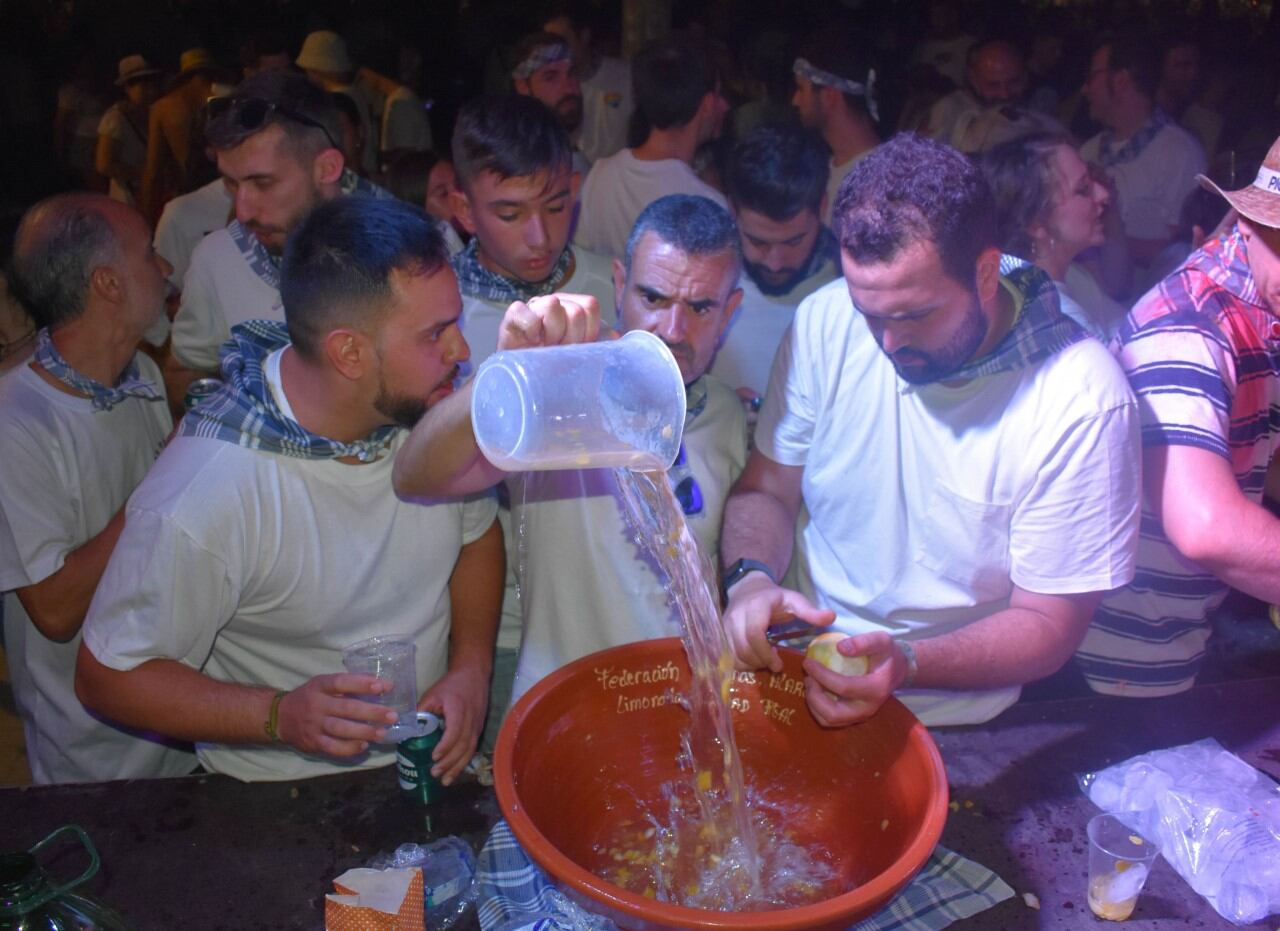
[{"x": 210, "y": 852}]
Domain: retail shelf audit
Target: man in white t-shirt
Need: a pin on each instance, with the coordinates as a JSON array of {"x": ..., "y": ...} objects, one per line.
[
  {"x": 605, "y": 83},
  {"x": 267, "y": 537},
  {"x": 678, "y": 97},
  {"x": 776, "y": 178},
  {"x": 515, "y": 195},
  {"x": 1152, "y": 160},
  {"x": 80, "y": 425},
  {"x": 946, "y": 429},
  {"x": 678, "y": 280},
  {"x": 834, "y": 96},
  {"x": 275, "y": 143}
]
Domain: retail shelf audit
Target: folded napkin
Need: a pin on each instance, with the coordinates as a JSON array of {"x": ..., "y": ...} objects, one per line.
[{"x": 516, "y": 894}]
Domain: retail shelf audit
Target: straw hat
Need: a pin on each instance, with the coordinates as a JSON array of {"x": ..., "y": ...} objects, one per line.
[
  {"x": 133, "y": 68},
  {"x": 1260, "y": 201},
  {"x": 195, "y": 59},
  {"x": 324, "y": 51}
]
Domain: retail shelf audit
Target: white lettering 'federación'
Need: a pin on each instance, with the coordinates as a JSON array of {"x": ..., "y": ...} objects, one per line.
[{"x": 1268, "y": 180}]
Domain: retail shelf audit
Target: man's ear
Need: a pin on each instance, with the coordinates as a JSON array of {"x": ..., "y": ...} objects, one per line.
[
  {"x": 521, "y": 87},
  {"x": 987, "y": 276},
  {"x": 328, "y": 166},
  {"x": 730, "y": 308},
  {"x": 619, "y": 286},
  {"x": 105, "y": 282},
  {"x": 461, "y": 204},
  {"x": 349, "y": 352},
  {"x": 575, "y": 184}
]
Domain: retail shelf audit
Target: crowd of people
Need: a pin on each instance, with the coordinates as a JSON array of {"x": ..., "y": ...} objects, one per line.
[{"x": 981, "y": 357}]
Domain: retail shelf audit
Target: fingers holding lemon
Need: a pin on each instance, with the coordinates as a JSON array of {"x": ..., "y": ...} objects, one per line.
[{"x": 823, "y": 649}]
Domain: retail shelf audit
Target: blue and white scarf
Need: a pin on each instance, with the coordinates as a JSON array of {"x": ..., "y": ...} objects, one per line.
[
  {"x": 130, "y": 385},
  {"x": 245, "y": 413},
  {"x": 1134, "y": 146},
  {"x": 474, "y": 280},
  {"x": 267, "y": 266},
  {"x": 1040, "y": 330}
]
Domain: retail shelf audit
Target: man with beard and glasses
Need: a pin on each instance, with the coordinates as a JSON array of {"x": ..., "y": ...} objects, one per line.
[
  {"x": 776, "y": 179},
  {"x": 544, "y": 70},
  {"x": 277, "y": 140},
  {"x": 967, "y": 457},
  {"x": 584, "y": 584},
  {"x": 267, "y": 536}
]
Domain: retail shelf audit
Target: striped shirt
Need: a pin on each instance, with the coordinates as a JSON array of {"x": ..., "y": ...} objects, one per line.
[{"x": 1202, "y": 353}]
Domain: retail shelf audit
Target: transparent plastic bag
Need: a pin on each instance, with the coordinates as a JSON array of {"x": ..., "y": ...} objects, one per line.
[
  {"x": 448, "y": 877},
  {"x": 1215, "y": 818}
]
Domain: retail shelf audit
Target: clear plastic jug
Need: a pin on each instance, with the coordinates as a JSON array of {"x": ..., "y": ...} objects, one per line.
[
  {"x": 30, "y": 900},
  {"x": 611, "y": 404}
]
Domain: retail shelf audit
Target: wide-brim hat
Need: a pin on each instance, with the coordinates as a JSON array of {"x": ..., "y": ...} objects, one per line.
[
  {"x": 134, "y": 68},
  {"x": 324, "y": 51},
  {"x": 1260, "y": 201},
  {"x": 195, "y": 59}
]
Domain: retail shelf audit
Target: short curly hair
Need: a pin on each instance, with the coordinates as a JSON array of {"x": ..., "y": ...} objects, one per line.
[{"x": 911, "y": 189}]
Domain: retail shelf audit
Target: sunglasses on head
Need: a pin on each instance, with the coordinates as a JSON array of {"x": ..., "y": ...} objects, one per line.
[{"x": 252, "y": 113}]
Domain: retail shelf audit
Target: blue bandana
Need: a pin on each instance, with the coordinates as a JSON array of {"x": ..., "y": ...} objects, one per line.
[
  {"x": 130, "y": 385},
  {"x": 267, "y": 266},
  {"x": 1040, "y": 330},
  {"x": 474, "y": 280},
  {"x": 1108, "y": 157},
  {"x": 244, "y": 412}
]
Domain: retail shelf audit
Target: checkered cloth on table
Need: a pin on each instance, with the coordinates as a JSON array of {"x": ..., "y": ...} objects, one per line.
[{"x": 948, "y": 888}]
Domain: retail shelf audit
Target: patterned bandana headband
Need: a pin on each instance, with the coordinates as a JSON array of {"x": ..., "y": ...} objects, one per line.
[
  {"x": 815, "y": 74},
  {"x": 540, "y": 57}
]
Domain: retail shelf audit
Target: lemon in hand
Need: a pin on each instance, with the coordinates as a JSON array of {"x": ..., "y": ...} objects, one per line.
[{"x": 823, "y": 650}]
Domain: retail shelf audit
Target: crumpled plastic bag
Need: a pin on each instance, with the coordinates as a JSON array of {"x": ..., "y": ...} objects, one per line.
[
  {"x": 1215, "y": 818},
  {"x": 415, "y": 888}
]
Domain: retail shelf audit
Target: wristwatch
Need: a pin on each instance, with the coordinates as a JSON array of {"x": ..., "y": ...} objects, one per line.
[{"x": 740, "y": 568}]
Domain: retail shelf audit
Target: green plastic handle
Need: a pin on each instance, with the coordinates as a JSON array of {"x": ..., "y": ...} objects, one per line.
[{"x": 94, "y": 862}]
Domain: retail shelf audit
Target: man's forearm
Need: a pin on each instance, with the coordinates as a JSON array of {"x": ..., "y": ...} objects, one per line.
[
  {"x": 757, "y": 526},
  {"x": 57, "y": 605},
  {"x": 440, "y": 457},
  {"x": 171, "y": 698},
  {"x": 1011, "y": 647},
  {"x": 1243, "y": 550}
]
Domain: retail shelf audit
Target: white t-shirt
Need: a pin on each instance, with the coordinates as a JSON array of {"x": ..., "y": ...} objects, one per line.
[
  {"x": 1083, "y": 300},
  {"x": 745, "y": 356},
  {"x": 586, "y": 584},
  {"x": 404, "y": 122},
  {"x": 619, "y": 187},
  {"x": 220, "y": 290},
  {"x": 1153, "y": 185},
  {"x": 188, "y": 219},
  {"x": 606, "y": 109},
  {"x": 835, "y": 178},
  {"x": 258, "y": 569},
  {"x": 926, "y": 508},
  {"x": 481, "y": 318},
  {"x": 68, "y": 470},
  {"x": 130, "y": 143}
]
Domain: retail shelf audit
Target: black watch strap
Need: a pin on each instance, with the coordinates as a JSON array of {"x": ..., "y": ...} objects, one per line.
[{"x": 738, "y": 570}]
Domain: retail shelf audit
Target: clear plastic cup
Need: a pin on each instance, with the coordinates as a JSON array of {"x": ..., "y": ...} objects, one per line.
[
  {"x": 1119, "y": 862},
  {"x": 391, "y": 659},
  {"x": 611, "y": 404}
]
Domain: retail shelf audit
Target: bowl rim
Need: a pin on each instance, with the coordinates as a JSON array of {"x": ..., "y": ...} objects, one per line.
[{"x": 880, "y": 889}]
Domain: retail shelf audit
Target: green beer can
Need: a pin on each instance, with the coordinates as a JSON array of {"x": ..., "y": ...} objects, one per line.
[{"x": 413, "y": 761}]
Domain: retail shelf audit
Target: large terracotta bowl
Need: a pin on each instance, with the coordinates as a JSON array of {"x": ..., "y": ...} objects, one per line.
[{"x": 583, "y": 751}]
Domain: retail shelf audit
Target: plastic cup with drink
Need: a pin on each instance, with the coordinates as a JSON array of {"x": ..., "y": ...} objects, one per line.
[
  {"x": 1119, "y": 862},
  {"x": 392, "y": 659}
]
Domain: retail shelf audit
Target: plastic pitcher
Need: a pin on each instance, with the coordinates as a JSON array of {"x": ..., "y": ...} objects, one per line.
[
  {"x": 612, "y": 404},
  {"x": 31, "y": 900}
]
